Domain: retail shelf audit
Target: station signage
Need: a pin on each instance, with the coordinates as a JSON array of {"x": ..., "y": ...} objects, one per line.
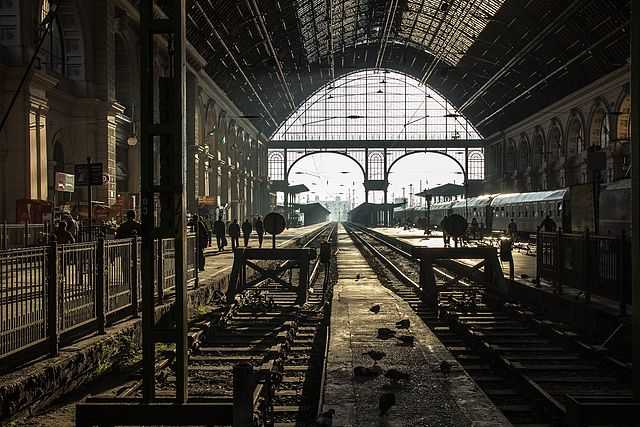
[
  {"x": 89, "y": 174},
  {"x": 65, "y": 182}
]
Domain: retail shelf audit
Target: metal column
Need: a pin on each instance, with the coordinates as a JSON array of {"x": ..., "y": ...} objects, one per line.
[
  {"x": 635, "y": 188},
  {"x": 165, "y": 137}
]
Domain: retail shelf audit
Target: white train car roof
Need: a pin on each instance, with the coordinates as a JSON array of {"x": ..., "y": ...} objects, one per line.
[
  {"x": 474, "y": 202},
  {"x": 442, "y": 205},
  {"x": 538, "y": 196}
]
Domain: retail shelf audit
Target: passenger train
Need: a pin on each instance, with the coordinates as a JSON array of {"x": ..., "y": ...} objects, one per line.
[{"x": 570, "y": 208}]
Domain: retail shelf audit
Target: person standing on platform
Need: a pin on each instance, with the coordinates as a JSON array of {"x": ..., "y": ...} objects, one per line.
[
  {"x": 259, "y": 230},
  {"x": 63, "y": 236},
  {"x": 72, "y": 225},
  {"x": 203, "y": 239},
  {"x": 513, "y": 230},
  {"x": 219, "y": 231},
  {"x": 247, "y": 228},
  {"x": 548, "y": 225},
  {"x": 445, "y": 236},
  {"x": 130, "y": 228},
  {"x": 234, "y": 233},
  {"x": 474, "y": 228}
]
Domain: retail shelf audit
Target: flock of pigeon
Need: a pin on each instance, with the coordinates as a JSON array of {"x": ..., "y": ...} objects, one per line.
[{"x": 363, "y": 373}]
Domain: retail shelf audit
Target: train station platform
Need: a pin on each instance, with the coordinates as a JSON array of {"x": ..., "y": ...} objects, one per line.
[{"x": 429, "y": 397}]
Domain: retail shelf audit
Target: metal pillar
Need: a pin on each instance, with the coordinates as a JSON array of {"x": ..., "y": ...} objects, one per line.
[
  {"x": 169, "y": 134},
  {"x": 635, "y": 188},
  {"x": 386, "y": 189}
]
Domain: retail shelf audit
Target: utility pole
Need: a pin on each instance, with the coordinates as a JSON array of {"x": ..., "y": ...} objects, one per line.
[{"x": 410, "y": 195}]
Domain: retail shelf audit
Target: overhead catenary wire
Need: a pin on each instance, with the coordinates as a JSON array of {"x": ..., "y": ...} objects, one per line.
[{"x": 215, "y": 32}]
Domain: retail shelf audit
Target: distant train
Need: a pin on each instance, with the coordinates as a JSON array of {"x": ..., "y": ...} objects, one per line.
[{"x": 570, "y": 208}]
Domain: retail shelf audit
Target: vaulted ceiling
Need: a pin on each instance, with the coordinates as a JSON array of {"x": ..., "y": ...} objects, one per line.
[{"x": 496, "y": 60}]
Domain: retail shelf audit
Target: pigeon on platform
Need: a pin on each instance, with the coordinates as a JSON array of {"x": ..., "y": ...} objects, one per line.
[
  {"x": 364, "y": 372},
  {"x": 407, "y": 340},
  {"x": 395, "y": 375},
  {"x": 387, "y": 400},
  {"x": 375, "y": 309},
  {"x": 445, "y": 367},
  {"x": 375, "y": 355},
  {"x": 325, "y": 419},
  {"x": 403, "y": 324},
  {"x": 386, "y": 333},
  {"x": 358, "y": 276}
]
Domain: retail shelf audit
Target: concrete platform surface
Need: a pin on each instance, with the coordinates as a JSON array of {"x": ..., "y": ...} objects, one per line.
[{"x": 429, "y": 398}]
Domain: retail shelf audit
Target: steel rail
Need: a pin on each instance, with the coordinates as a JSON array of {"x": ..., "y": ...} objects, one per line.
[{"x": 479, "y": 342}]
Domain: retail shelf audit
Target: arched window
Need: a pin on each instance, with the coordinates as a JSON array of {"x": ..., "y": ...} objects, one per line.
[
  {"x": 575, "y": 136},
  {"x": 553, "y": 144},
  {"x": 58, "y": 157},
  {"x": 375, "y": 104},
  {"x": 476, "y": 165},
  {"x": 524, "y": 153},
  {"x": 600, "y": 131},
  {"x": 52, "y": 56},
  {"x": 623, "y": 124},
  {"x": 124, "y": 75},
  {"x": 276, "y": 166},
  {"x": 376, "y": 166},
  {"x": 538, "y": 148},
  {"x": 510, "y": 157}
]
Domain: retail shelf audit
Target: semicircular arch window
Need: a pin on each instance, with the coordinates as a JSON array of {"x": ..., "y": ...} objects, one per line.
[{"x": 376, "y": 104}]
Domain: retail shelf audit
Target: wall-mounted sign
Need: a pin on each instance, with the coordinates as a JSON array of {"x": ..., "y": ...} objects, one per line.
[{"x": 65, "y": 182}]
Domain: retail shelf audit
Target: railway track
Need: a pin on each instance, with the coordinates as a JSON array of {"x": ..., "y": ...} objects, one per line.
[
  {"x": 526, "y": 365},
  {"x": 284, "y": 343}
]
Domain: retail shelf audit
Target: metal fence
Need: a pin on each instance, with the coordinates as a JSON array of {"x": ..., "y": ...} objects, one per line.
[
  {"x": 23, "y": 294},
  {"x": 22, "y": 235},
  {"x": 52, "y": 294},
  {"x": 597, "y": 265},
  {"x": 90, "y": 233},
  {"x": 13, "y": 236}
]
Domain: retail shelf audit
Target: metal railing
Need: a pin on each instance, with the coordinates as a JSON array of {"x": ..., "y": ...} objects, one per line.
[
  {"x": 13, "y": 236},
  {"x": 22, "y": 235},
  {"x": 595, "y": 265},
  {"x": 23, "y": 295},
  {"x": 55, "y": 293}
]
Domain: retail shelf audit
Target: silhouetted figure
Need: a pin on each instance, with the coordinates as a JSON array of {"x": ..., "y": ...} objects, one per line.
[
  {"x": 203, "y": 239},
  {"x": 72, "y": 225},
  {"x": 247, "y": 228},
  {"x": 548, "y": 224},
  {"x": 130, "y": 228},
  {"x": 219, "y": 231},
  {"x": 513, "y": 230},
  {"x": 474, "y": 228},
  {"x": 260, "y": 230},
  {"x": 63, "y": 237},
  {"x": 506, "y": 254},
  {"x": 234, "y": 233},
  {"x": 445, "y": 236}
]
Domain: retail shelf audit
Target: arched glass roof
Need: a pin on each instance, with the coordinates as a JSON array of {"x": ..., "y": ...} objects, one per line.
[
  {"x": 375, "y": 104},
  {"x": 445, "y": 29}
]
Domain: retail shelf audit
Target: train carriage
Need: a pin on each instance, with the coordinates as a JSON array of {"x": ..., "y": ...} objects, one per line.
[
  {"x": 529, "y": 209},
  {"x": 475, "y": 207}
]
